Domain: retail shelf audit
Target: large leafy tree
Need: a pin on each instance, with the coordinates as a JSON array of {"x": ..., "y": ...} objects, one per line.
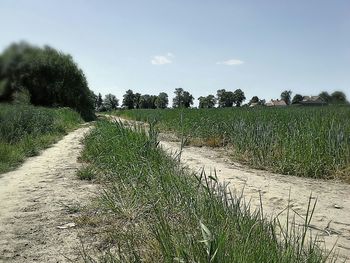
[
  {"x": 254, "y": 99},
  {"x": 162, "y": 100},
  {"x": 49, "y": 77},
  {"x": 297, "y": 98},
  {"x": 182, "y": 99},
  {"x": 238, "y": 97},
  {"x": 338, "y": 97},
  {"x": 148, "y": 101},
  {"x": 207, "y": 102},
  {"x": 325, "y": 96},
  {"x": 110, "y": 102},
  {"x": 129, "y": 99},
  {"x": 286, "y": 96},
  {"x": 225, "y": 98},
  {"x": 137, "y": 100}
]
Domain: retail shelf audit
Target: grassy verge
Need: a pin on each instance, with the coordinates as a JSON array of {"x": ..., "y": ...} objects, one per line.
[
  {"x": 25, "y": 130},
  {"x": 304, "y": 141},
  {"x": 153, "y": 210}
]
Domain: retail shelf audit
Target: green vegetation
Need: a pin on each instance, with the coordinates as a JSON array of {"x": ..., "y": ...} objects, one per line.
[
  {"x": 311, "y": 142},
  {"x": 152, "y": 210},
  {"x": 44, "y": 77},
  {"x": 24, "y": 130}
]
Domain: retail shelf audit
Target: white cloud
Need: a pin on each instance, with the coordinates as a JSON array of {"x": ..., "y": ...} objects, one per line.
[
  {"x": 162, "y": 60},
  {"x": 230, "y": 62}
]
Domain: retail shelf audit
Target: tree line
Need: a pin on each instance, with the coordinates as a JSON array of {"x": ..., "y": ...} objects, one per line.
[
  {"x": 337, "y": 97},
  {"x": 184, "y": 99}
]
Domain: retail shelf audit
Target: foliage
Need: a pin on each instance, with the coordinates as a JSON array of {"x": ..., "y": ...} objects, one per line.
[
  {"x": 162, "y": 100},
  {"x": 225, "y": 98},
  {"x": 286, "y": 96},
  {"x": 297, "y": 98},
  {"x": 128, "y": 99},
  {"x": 182, "y": 99},
  {"x": 325, "y": 96},
  {"x": 312, "y": 142},
  {"x": 254, "y": 99},
  {"x": 110, "y": 102},
  {"x": 153, "y": 210},
  {"x": 207, "y": 102},
  {"x": 338, "y": 97},
  {"x": 98, "y": 102},
  {"x": 137, "y": 100},
  {"x": 148, "y": 101},
  {"x": 238, "y": 97},
  {"x": 24, "y": 130},
  {"x": 51, "y": 77}
]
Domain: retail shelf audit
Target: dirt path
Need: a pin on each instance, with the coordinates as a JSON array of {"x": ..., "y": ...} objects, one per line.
[
  {"x": 331, "y": 219},
  {"x": 37, "y": 198}
]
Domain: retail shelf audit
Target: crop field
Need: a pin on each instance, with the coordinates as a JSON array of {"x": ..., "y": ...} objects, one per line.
[
  {"x": 153, "y": 210},
  {"x": 303, "y": 141},
  {"x": 24, "y": 130}
]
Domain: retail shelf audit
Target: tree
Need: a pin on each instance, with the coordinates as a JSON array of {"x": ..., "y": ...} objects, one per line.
[
  {"x": 182, "y": 99},
  {"x": 225, "y": 98},
  {"x": 128, "y": 99},
  {"x": 297, "y": 98},
  {"x": 207, "y": 102},
  {"x": 50, "y": 77},
  {"x": 325, "y": 96},
  {"x": 98, "y": 102},
  {"x": 137, "y": 100},
  {"x": 254, "y": 99},
  {"x": 147, "y": 101},
  {"x": 286, "y": 96},
  {"x": 238, "y": 97},
  {"x": 162, "y": 100},
  {"x": 110, "y": 102},
  {"x": 338, "y": 97}
]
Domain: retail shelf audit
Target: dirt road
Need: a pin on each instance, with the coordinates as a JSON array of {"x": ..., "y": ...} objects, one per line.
[
  {"x": 38, "y": 204},
  {"x": 331, "y": 219}
]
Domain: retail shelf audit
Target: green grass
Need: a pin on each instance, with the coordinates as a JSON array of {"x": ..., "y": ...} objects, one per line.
[
  {"x": 303, "y": 141},
  {"x": 25, "y": 130},
  {"x": 153, "y": 210}
]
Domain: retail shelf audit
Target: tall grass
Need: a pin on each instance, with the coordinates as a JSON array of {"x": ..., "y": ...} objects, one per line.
[
  {"x": 153, "y": 210},
  {"x": 25, "y": 130},
  {"x": 311, "y": 142}
]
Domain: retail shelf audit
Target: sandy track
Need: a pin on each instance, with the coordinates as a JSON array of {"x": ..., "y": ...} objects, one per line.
[
  {"x": 34, "y": 200},
  {"x": 332, "y": 215}
]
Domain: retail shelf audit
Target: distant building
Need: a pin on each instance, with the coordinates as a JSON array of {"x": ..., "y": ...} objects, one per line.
[
  {"x": 313, "y": 101},
  {"x": 276, "y": 103}
]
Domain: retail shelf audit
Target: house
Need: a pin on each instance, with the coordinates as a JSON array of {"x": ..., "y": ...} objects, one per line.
[
  {"x": 313, "y": 101},
  {"x": 276, "y": 103}
]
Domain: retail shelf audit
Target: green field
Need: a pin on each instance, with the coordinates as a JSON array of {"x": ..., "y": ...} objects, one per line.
[
  {"x": 25, "y": 130},
  {"x": 303, "y": 141},
  {"x": 152, "y": 210}
]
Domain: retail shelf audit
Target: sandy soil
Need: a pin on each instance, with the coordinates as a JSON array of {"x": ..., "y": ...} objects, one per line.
[
  {"x": 331, "y": 219},
  {"x": 38, "y": 200}
]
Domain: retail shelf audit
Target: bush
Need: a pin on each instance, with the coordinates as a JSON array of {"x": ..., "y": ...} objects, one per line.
[
  {"x": 25, "y": 130},
  {"x": 51, "y": 78}
]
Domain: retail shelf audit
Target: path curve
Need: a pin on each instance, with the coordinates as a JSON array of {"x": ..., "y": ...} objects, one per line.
[{"x": 37, "y": 198}]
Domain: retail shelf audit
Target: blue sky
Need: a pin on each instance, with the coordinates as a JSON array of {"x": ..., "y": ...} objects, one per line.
[{"x": 262, "y": 47}]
